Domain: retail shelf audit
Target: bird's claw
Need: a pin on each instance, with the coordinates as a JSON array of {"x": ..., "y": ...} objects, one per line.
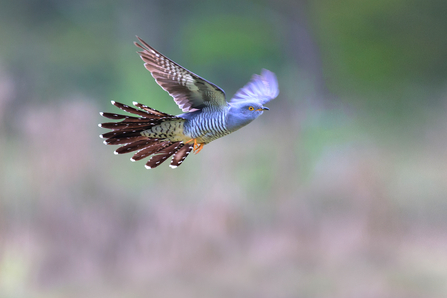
[{"x": 196, "y": 147}]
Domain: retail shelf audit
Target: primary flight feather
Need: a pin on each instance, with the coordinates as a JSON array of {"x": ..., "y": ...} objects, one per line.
[{"x": 208, "y": 116}]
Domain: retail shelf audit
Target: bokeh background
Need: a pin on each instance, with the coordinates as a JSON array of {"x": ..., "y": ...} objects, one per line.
[{"x": 340, "y": 190}]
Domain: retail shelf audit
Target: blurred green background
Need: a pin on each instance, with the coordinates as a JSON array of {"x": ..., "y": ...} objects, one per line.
[{"x": 340, "y": 190}]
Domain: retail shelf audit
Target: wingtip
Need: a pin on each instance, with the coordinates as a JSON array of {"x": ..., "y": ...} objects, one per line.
[
  {"x": 134, "y": 103},
  {"x": 147, "y": 167},
  {"x": 100, "y": 125},
  {"x": 264, "y": 70},
  {"x": 112, "y": 102},
  {"x": 116, "y": 153},
  {"x": 137, "y": 44},
  {"x": 132, "y": 160},
  {"x": 172, "y": 166}
]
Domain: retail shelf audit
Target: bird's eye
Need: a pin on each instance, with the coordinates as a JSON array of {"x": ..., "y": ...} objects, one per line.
[{"x": 251, "y": 108}]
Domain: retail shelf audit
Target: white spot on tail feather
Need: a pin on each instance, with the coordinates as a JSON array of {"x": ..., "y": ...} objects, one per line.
[
  {"x": 113, "y": 102},
  {"x": 147, "y": 167},
  {"x": 116, "y": 153},
  {"x": 172, "y": 166}
]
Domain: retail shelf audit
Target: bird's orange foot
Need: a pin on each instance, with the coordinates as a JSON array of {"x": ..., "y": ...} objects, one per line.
[{"x": 197, "y": 147}]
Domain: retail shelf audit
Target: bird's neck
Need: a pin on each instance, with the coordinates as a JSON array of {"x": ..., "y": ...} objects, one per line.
[{"x": 235, "y": 120}]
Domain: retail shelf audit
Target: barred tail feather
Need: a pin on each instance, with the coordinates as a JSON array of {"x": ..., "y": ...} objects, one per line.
[
  {"x": 115, "y": 116},
  {"x": 128, "y": 125},
  {"x": 146, "y": 112},
  {"x": 137, "y": 145},
  {"x": 126, "y": 140},
  {"x": 162, "y": 155},
  {"x": 122, "y": 134},
  {"x": 149, "y": 150},
  {"x": 150, "y": 110},
  {"x": 182, "y": 152},
  {"x": 127, "y": 132}
]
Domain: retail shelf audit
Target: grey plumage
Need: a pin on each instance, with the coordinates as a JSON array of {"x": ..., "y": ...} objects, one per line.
[{"x": 208, "y": 116}]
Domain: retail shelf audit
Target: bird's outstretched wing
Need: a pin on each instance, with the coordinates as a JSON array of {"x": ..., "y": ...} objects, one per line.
[
  {"x": 189, "y": 91},
  {"x": 262, "y": 88}
]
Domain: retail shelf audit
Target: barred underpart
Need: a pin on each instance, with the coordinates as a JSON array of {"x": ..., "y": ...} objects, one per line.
[{"x": 208, "y": 125}]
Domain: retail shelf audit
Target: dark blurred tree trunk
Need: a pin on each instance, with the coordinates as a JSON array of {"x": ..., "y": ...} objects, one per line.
[{"x": 302, "y": 45}]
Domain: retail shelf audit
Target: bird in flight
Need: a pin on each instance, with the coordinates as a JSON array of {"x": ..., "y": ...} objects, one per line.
[{"x": 207, "y": 115}]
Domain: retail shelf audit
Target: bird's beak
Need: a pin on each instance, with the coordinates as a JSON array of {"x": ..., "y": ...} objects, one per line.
[{"x": 263, "y": 109}]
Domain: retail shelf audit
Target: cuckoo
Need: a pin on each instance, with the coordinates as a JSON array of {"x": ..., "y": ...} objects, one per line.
[{"x": 207, "y": 115}]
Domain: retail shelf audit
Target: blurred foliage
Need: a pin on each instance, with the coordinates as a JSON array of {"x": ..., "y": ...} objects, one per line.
[{"x": 383, "y": 44}]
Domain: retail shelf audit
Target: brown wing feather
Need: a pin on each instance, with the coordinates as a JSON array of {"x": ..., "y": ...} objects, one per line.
[{"x": 190, "y": 91}]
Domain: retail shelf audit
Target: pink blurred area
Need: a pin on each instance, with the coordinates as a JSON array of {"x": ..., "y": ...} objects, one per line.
[{"x": 79, "y": 221}]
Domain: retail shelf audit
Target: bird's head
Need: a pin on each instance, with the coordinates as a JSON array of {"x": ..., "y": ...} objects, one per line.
[
  {"x": 248, "y": 103},
  {"x": 242, "y": 113}
]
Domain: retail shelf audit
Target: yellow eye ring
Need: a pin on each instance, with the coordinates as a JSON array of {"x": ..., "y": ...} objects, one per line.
[{"x": 251, "y": 108}]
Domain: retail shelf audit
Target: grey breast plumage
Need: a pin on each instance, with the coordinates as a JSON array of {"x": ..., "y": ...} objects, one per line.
[{"x": 207, "y": 124}]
